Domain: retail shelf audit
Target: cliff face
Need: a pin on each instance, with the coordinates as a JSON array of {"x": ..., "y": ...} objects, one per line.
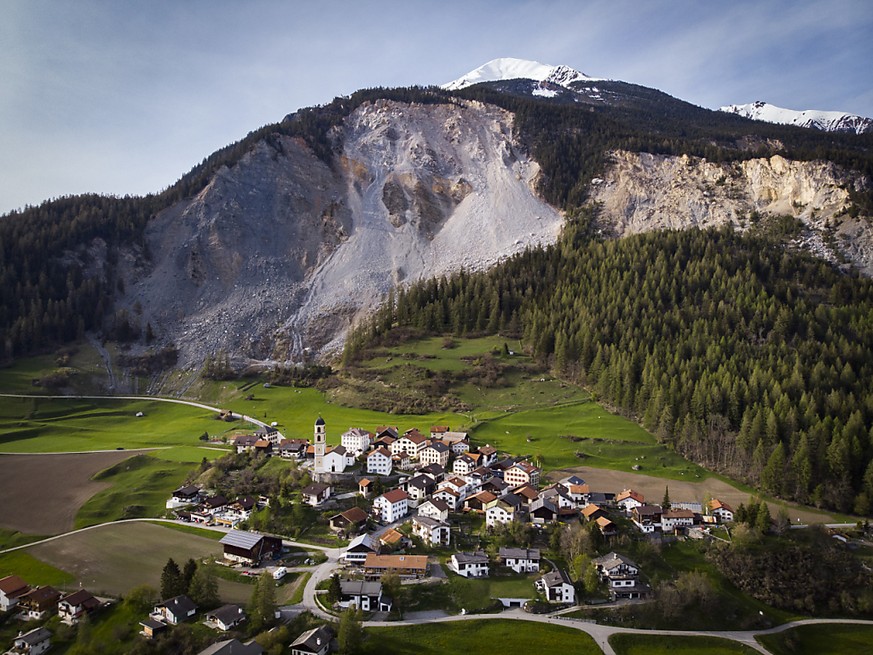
[
  {"x": 278, "y": 255},
  {"x": 642, "y": 192}
]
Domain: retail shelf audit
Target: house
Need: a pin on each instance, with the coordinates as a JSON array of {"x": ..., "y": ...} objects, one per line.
[
  {"x": 607, "y": 528},
  {"x": 434, "y": 509},
  {"x": 366, "y": 596},
  {"x": 365, "y": 487},
  {"x": 359, "y": 548},
  {"x": 269, "y": 433},
  {"x": 577, "y": 492},
  {"x": 458, "y": 485},
  {"x": 470, "y": 565},
  {"x": 405, "y": 566},
  {"x": 379, "y": 462},
  {"x": 542, "y": 511},
  {"x": 175, "y": 610},
  {"x": 412, "y": 442},
  {"x": 351, "y": 520},
  {"x": 245, "y": 443},
  {"x": 463, "y": 464},
  {"x": 480, "y": 502},
  {"x": 37, "y": 641},
  {"x": 647, "y": 518},
  {"x": 450, "y": 498},
  {"x": 508, "y": 508},
  {"x": 527, "y": 493},
  {"x": 226, "y": 617},
  {"x": 437, "y": 431},
  {"x": 435, "y": 472},
  {"x": 436, "y": 453},
  {"x": 291, "y": 448},
  {"x": 432, "y": 532},
  {"x": 592, "y": 512},
  {"x": 11, "y": 589},
  {"x": 336, "y": 460},
  {"x": 459, "y": 442},
  {"x": 558, "y": 495},
  {"x": 401, "y": 461},
  {"x": 615, "y": 565},
  {"x": 522, "y": 473},
  {"x": 384, "y": 441},
  {"x": 74, "y": 606},
  {"x": 185, "y": 495},
  {"x": 313, "y": 642},
  {"x": 521, "y": 560},
  {"x": 393, "y": 539},
  {"x": 721, "y": 510},
  {"x": 233, "y": 647},
  {"x": 391, "y": 506},
  {"x": 557, "y": 587},
  {"x": 628, "y": 499},
  {"x": 250, "y": 548},
  {"x": 213, "y": 504},
  {"x": 488, "y": 455},
  {"x": 356, "y": 440},
  {"x": 39, "y": 602},
  {"x": 496, "y": 486},
  {"x": 387, "y": 431},
  {"x": 419, "y": 488},
  {"x": 622, "y": 576},
  {"x": 676, "y": 519},
  {"x": 316, "y": 493}
]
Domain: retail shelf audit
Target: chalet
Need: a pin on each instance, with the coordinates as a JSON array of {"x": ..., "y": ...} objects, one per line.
[
  {"x": 379, "y": 462},
  {"x": 245, "y": 443},
  {"x": 384, "y": 441},
  {"x": 521, "y": 560},
  {"x": 73, "y": 607},
  {"x": 508, "y": 508},
  {"x": 175, "y": 610},
  {"x": 578, "y": 493},
  {"x": 647, "y": 518},
  {"x": 11, "y": 589},
  {"x": 721, "y": 510},
  {"x": 291, "y": 448},
  {"x": 437, "y": 431},
  {"x": 622, "y": 576},
  {"x": 391, "y": 506},
  {"x": 557, "y": 587},
  {"x": 366, "y": 596},
  {"x": 186, "y": 495},
  {"x": 226, "y": 617},
  {"x": 463, "y": 464},
  {"x": 592, "y": 512},
  {"x": 359, "y": 548},
  {"x": 436, "y": 453},
  {"x": 448, "y": 496},
  {"x": 316, "y": 493},
  {"x": 470, "y": 565},
  {"x": 39, "y": 602},
  {"x": 336, "y": 460},
  {"x": 35, "y": 642},
  {"x": 405, "y": 566},
  {"x": 233, "y": 647},
  {"x": 412, "y": 441},
  {"x": 616, "y": 565},
  {"x": 419, "y": 488},
  {"x": 365, "y": 487},
  {"x": 356, "y": 440},
  {"x": 607, "y": 528},
  {"x": 480, "y": 502},
  {"x": 351, "y": 520},
  {"x": 522, "y": 473},
  {"x": 250, "y": 548},
  {"x": 434, "y": 509},
  {"x": 313, "y": 642},
  {"x": 435, "y": 472},
  {"x": 628, "y": 499},
  {"x": 432, "y": 532},
  {"x": 676, "y": 519}
]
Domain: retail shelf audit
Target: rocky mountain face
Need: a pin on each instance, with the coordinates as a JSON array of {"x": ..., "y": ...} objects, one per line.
[{"x": 280, "y": 253}]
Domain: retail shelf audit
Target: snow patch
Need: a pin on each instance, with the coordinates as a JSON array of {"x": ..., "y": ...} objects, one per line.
[{"x": 508, "y": 68}]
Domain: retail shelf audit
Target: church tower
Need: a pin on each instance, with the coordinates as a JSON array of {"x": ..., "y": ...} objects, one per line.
[{"x": 320, "y": 444}]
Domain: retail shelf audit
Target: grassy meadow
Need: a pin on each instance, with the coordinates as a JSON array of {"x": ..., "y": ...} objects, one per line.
[
  {"x": 631, "y": 644},
  {"x": 830, "y": 639}
]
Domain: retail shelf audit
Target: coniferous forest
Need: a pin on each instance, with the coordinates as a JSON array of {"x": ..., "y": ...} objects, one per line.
[{"x": 741, "y": 354}]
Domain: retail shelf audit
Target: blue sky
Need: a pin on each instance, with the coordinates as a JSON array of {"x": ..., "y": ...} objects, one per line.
[{"x": 123, "y": 97}]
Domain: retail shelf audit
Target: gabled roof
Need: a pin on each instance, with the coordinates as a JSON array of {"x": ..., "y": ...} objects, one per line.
[
  {"x": 241, "y": 539},
  {"x": 715, "y": 504},
  {"x": 391, "y": 536},
  {"x": 245, "y": 440},
  {"x": 41, "y": 595},
  {"x": 315, "y": 489},
  {"x": 478, "y": 557},
  {"x": 590, "y": 510},
  {"x": 82, "y": 597},
  {"x": 440, "y": 505},
  {"x": 233, "y": 647},
  {"x": 630, "y": 493},
  {"x": 527, "y": 491},
  {"x": 363, "y": 542},
  {"x": 380, "y": 451},
  {"x": 519, "y": 553},
  {"x": 35, "y": 636},
  {"x": 603, "y": 522},
  {"x": 614, "y": 560},
  {"x": 360, "y": 588},
  {"x": 556, "y": 578},
  {"x": 678, "y": 514},
  {"x": 395, "y": 496},
  {"x": 428, "y": 521},
  {"x": 13, "y": 586},
  {"x": 179, "y": 605},
  {"x": 439, "y": 429},
  {"x": 354, "y": 515},
  {"x": 488, "y": 450},
  {"x": 439, "y": 447},
  {"x": 187, "y": 490},
  {"x": 313, "y": 640},
  {"x": 227, "y": 614},
  {"x": 215, "y": 501}
]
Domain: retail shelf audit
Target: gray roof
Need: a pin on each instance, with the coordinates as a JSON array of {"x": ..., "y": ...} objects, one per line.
[
  {"x": 555, "y": 578},
  {"x": 227, "y": 614},
  {"x": 612, "y": 560},
  {"x": 428, "y": 521},
  {"x": 360, "y": 588},
  {"x": 179, "y": 605},
  {"x": 519, "y": 553},
  {"x": 363, "y": 541},
  {"x": 241, "y": 539},
  {"x": 312, "y": 640},
  {"x": 471, "y": 558},
  {"x": 233, "y": 647},
  {"x": 35, "y": 636}
]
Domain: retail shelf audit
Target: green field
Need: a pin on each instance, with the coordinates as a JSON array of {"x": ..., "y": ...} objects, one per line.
[
  {"x": 829, "y": 639},
  {"x": 32, "y": 570},
  {"x": 477, "y": 638},
  {"x": 630, "y": 644}
]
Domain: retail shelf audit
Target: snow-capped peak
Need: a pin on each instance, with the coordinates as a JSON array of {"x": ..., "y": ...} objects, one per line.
[
  {"x": 508, "y": 68},
  {"x": 827, "y": 121}
]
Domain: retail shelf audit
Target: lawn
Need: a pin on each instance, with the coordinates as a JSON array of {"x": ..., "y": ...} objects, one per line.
[
  {"x": 833, "y": 638},
  {"x": 477, "y": 638},
  {"x": 32, "y": 570},
  {"x": 630, "y": 644}
]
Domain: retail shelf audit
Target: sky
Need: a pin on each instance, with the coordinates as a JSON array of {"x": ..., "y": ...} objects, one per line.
[{"x": 123, "y": 97}]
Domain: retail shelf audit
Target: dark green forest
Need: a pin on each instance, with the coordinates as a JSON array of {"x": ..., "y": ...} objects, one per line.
[{"x": 739, "y": 353}]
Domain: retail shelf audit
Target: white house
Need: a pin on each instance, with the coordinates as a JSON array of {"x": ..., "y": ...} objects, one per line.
[
  {"x": 434, "y": 509},
  {"x": 508, "y": 508},
  {"x": 74, "y": 606},
  {"x": 359, "y": 548},
  {"x": 35, "y": 642},
  {"x": 11, "y": 589},
  {"x": 629, "y": 499},
  {"x": 721, "y": 510},
  {"x": 463, "y": 465},
  {"x": 337, "y": 459},
  {"x": 419, "y": 488},
  {"x": 557, "y": 587},
  {"x": 356, "y": 440},
  {"x": 521, "y": 560},
  {"x": 522, "y": 473},
  {"x": 458, "y": 485},
  {"x": 226, "y": 617},
  {"x": 433, "y": 532},
  {"x": 175, "y": 610},
  {"x": 676, "y": 519},
  {"x": 391, "y": 506},
  {"x": 436, "y": 453},
  {"x": 621, "y": 575},
  {"x": 489, "y": 455},
  {"x": 316, "y": 493},
  {"x": 413, "y": 442},
  {"x": 449, "y": 497},
  {"x": 366, "y": 596},
  {"x": 313, "y": 642},
  {"x": 379, "y": 462},
  {"x": 470, "y": 565}
]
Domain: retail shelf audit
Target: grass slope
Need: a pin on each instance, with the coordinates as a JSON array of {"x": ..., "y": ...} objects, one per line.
[
  {"x": 833, "y": 638},
  {"x": 628, "y": 644},
  {"x": 32, "y": 570}
]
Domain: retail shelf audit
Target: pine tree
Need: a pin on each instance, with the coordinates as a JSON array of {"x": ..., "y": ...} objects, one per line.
[
  {"x": 172, "y": 582},
  {"x": 188, "y": 573},
  {"x": 350, "y": 633},
  {"x": 665, "y": 504},
  {"x": 334, "y": 592},
  {"x": 203, "y": 589}
]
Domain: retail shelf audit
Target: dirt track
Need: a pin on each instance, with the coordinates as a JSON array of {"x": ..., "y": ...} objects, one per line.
[
  {"x": 42, "y": 493},
  {"x": 653, "y": 489}
]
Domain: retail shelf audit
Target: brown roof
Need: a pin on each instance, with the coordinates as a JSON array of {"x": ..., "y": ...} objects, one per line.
[
  {"x": 415, "y": 436},
  {"x": 355, "y": 515},
  {"x": 590, "y": 510},
  {"x": 715, "y": 503},
  {"x": 13, "y": 586},
  {"x": 484, "y": 497},
  {"x": 487, "y": 450},
  {"x": 391, "y": 536},
  {"x": 365, "y": 482},
  {"x": 679, "y": 514},
  {"x": 375, "y": 561},
  {"x": 579, "y": 488},
  {"x": 436, "y": 429},
  {"x": 381, "y": 451},
  {"x": 630, "y": 493},
  {"x": 82, "y": 597},
  {"x": 395, "y": 495},
  {"x": 527, "y": 491}
]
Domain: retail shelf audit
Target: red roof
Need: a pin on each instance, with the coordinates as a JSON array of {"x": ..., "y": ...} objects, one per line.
[{"x": 395, "y": 496}]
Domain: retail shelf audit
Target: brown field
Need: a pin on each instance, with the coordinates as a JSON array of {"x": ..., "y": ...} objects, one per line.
[
  {"x": 653, "y": 489},
  {"x": 42, "y": 493},
  {"x": 112, "y": 559}
]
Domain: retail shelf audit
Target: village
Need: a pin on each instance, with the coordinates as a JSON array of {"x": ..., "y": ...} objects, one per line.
[{"x": 411, "y": 496}]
